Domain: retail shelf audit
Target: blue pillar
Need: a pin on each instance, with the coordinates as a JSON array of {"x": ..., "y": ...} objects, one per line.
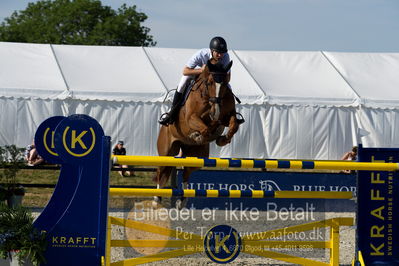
[{"x": 75, "y": 217}]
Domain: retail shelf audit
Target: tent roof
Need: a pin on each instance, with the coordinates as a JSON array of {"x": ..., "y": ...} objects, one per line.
[
  {"x": 297, "y": 77},
  {"x": 373, "y": 76},
  {"x": 28, "y": 70},
  {"x": 147, "y": 74}
]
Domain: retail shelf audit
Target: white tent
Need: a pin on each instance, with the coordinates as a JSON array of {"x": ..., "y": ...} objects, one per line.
[{"x": 305, "y": 105}]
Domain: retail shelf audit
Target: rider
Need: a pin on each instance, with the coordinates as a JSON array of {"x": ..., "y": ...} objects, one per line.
[{"x": 217, "y": 53}]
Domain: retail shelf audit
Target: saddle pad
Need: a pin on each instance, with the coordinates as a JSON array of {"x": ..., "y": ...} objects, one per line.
[{"x": 190, "y": 83}]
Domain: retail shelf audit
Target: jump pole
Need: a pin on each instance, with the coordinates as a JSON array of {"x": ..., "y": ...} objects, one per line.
[
  {"x": 213, "y": 193},
  {"x": 252, "y": 163}
]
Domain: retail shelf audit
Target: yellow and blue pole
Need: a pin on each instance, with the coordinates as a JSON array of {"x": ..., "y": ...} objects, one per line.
[
  {"x": 253, "y": 163},
  {"x": 211, "y": 193}
]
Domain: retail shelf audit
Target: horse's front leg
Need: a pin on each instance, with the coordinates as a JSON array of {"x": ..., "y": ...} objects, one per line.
[
  {"x": 161, "y": 178},
  {"x": 195, "y": 123},
  {"x": 233, "y": 128}
]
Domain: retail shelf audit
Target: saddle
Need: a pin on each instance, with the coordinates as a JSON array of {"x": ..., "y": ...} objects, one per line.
[{"x": 187, "y": 89}]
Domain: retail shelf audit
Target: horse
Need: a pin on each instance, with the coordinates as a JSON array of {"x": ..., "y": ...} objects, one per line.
[{"x": 209, "y": 108}]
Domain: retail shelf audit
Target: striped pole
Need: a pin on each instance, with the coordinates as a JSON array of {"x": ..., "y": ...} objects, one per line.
[
  {"x": 252, "y": 163},
  {"x": 211, "y": 193}
]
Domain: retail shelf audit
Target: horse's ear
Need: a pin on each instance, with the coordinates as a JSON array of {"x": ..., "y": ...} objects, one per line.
[{"x": 227, "y": 68}]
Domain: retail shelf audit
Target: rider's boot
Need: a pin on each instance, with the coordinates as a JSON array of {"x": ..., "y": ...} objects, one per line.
[{"x": 169, "y": 118}]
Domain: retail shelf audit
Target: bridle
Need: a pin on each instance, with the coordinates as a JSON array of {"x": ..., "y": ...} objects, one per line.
[{"x": 217, "y": 99}]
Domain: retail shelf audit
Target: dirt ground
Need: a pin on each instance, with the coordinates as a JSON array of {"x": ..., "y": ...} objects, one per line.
[{"x": 194, "y": 223}]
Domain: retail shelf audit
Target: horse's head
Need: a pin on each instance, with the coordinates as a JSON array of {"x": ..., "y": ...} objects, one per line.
[{"x": 216, "y": 79}]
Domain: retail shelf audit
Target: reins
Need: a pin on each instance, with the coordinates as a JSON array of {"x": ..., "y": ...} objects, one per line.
[
  {"x": 214, "y": 100},
  {"x": 218, "y": 100}
]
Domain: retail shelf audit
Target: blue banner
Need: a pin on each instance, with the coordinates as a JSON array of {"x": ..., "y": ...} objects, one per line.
[
  {"x": 378, "y": 212},
  {"x": 254, "y": 180}
]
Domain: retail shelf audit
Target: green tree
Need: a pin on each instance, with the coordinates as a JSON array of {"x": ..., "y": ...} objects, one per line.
[{"x": 84, "y": 22}]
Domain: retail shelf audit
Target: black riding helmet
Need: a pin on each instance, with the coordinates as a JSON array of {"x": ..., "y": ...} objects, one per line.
[{"x": 218, "y": 44}]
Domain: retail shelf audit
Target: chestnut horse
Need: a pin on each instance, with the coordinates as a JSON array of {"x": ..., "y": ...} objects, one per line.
[{"x": 210, "y": 108}]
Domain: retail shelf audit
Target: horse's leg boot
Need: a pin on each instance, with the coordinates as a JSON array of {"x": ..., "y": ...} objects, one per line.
[
  {"x": 240, "y": 118},
  {"x": 170, "y": 117}
]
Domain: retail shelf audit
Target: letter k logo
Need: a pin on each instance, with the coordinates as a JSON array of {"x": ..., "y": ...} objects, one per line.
[
  {"x": 75, "y": 139},
  {"x": 220, "y": 243}
]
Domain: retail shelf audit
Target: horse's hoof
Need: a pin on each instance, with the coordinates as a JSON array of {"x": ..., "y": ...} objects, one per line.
[
  {"x": 199, "y": 140},
  {"x": 197, "y": 137},
  {"x": 222, "y": 141},
  {"x": 181, "y": 203},
  {"x": 156, "y": 201}
]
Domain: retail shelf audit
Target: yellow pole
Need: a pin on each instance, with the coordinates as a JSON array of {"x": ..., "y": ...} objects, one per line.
[
  {"x": 334, "y": 242},
  {"x": 148, "y": 192},
  {"x": 313, "y": 194},
  {"x": 108, "y": 243},
  {"x": 191, "y": 193},
  {"x": 253, "y": 163}
]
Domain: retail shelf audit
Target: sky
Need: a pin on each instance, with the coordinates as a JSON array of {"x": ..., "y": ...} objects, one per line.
[{"x": 266, "y": 25}]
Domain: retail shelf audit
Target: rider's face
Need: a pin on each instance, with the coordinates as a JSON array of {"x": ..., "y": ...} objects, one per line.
[{"x": 217, "y": 55}]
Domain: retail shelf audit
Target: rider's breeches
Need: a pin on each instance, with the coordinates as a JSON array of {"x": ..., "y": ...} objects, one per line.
[{"x": 182, "y": 83}]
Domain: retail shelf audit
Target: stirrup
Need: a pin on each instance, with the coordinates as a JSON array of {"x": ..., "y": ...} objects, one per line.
[
  {"x": 240, "y": 118},
  {"x": 164, "y": 119}
]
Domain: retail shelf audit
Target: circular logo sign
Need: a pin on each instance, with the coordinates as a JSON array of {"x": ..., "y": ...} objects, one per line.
[
  {"x": 78, "y": 138},
  {"x": 222, "y": 244},
  {"x": 44, "y": 139}
]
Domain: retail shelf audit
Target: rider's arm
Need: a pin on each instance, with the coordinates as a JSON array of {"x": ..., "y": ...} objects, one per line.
[
  {"x": 193, "y": 66},
  {"x": 192, "y": 71}
]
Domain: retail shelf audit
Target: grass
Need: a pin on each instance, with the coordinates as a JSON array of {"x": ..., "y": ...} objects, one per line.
[
  {"x": 38, "y": 197},
  {"x": 35, "y": 176}
]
